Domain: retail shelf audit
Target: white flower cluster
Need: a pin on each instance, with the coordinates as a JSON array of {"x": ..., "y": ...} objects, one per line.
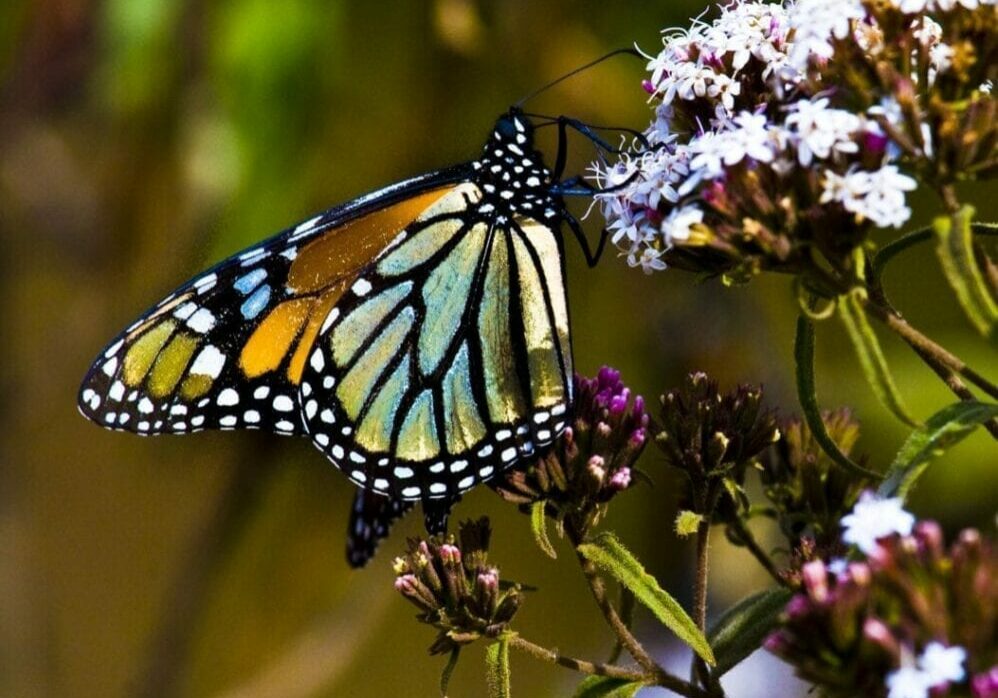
[
  {"x": 938, "y": 665},
  {"x": 654, "y": 200}
]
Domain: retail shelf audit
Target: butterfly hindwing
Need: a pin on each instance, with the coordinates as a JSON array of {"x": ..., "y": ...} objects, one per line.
[
  {"x": 453, "y": 360},
  {"x": 371, "y": 519},
  {"x": 227, "y": 349}
]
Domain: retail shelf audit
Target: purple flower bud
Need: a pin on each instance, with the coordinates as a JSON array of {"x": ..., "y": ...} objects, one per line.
[
  {"x": 798, "y": 607},
  {"x": 618, "y": 403},
  {"x": 639, "y": 405},
  {"x": 930, "y": 535},
  {"x": 638, "y": 437},
  {"x": 621, "y": 479},
  {"x": 985, "y": 685},
  {"x": 776, "y": 643},
  {"x": 815, "y": 578},
  {"x": 874, "y": 142},
  {"x": 648, "y": 87}
]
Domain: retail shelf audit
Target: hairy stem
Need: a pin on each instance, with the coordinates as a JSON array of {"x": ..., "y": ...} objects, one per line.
[
  {"x": 580, "y": 665},
  {"x": 659, "y": 676}
]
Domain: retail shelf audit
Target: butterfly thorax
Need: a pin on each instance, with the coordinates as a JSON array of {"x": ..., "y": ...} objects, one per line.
[{"x": 512, "y": 175}]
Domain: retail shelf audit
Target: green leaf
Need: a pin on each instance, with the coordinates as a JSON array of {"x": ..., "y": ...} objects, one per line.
[
  {"x": 497, "y": 668},
  {"x": 945, "y": 428},
  {"x": 607, "y": 552},
  {"x": 807, "y": 395},
  {"x": 742, "y": 628},
  {"x": 448, "y": 671},
  {"x": 954, "y": 247},
  {"x": 871, "y": 356},
  {"x": 606, "y": 687},
  {"x": 539, "y": 525}
]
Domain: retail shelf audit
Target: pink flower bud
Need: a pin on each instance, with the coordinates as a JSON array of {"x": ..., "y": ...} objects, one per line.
[{"x": 815, "y": 578}]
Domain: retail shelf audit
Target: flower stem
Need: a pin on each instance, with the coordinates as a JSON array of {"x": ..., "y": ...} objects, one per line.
[
  {"x": 746, "y": 538},
  {"x": 659, "y": 676},
  {"x": 699, "y": 667},
  {"x": 925, "y": 347},
  {"x": 580, "y": 665}
]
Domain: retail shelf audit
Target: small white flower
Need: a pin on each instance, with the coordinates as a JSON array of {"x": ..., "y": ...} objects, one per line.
[
  {"x": 907, "y": 682},
  {"x": 648, "y": 260},
  {"x": 986, "y": 87},
  {"x": 816, "y": 23},
  {"x": 820, "y": 131},
  {"x": 873, "y": 518},
  {"x": 676, "y": 226},
  {"x": 942, "y": 664}
]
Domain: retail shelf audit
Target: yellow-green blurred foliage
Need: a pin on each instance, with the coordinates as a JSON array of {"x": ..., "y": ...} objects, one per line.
[{"x": 141, "y": 140}]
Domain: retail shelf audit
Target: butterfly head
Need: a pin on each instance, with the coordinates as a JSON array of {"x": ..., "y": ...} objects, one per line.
[{"x": 512, "y": 173}]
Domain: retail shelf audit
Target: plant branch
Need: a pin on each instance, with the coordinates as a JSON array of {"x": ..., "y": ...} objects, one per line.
[
  {"x": 580, "y": 665},
  {"x": 747, "y": 539},
  {"x": 925, "y": 346},
  {"x": 658, "y": 675}
]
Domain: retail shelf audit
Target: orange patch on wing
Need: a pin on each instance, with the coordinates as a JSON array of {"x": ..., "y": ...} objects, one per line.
[
  {"x": 268, "y": 345},
  {"x": 320, "y": 309},
  {"x": 344, "y": 251}
]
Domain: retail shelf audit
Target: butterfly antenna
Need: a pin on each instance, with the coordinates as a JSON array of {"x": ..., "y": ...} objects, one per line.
[{"x": 576, "y": 71}]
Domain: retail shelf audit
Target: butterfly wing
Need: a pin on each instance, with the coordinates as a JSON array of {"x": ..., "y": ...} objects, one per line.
[
  {"x": 450, "y": 361},
  {"x": 371, "y": 519},
  {"x": 227, "y": 349}
]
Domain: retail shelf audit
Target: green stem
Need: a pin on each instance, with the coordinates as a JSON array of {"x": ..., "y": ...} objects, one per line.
[
  {"x": 746, "y": 538},
  {"x": 660, "y": 676},
  {"x": 580, "y": 665},
  {"x": 926, "y": 347}
]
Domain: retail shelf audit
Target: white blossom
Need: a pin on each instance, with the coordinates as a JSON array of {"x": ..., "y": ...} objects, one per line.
[
  {"x": 907, "y": 682},
  {"x": 648, "y": 259},
  {"x": 943, "y": 664},
  {"x": 677, "y": 225},
  {"x": 816, "y": 23},
  {"x": 819, "y": 131},
  {"x": 873, "y": 518}
]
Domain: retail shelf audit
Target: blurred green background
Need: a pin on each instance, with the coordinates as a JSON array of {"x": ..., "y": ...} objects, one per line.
[{"x": 141, "y": 140}]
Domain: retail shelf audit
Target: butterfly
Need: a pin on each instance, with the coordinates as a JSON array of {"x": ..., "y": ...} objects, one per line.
[{"x": 417, "y": 335}]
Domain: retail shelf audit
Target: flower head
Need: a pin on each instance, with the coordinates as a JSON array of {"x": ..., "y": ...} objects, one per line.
[
  {"x": 790, "y": 128},
  {"x": 455, "y": 588},
  {"x": 912, "y": 620},
  {"x": 594, "y": 460}
]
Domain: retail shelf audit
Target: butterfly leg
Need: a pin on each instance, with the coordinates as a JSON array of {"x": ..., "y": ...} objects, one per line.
[
  {"x": 371, "y": 518},
  {"x": 435, "y": 514},
  {"x": 592, "y": 258}
]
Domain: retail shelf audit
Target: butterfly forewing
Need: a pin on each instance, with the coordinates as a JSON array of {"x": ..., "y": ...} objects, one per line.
[
  {"x": 450, "y": 360},
  {"x": 227, "y": 349}
]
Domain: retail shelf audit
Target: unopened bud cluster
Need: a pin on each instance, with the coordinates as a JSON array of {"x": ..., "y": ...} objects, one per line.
[
  {"x": 595, "y": 457},
  {"x": 455, "y": 588},
  {"x": 712, "y": 437},
  {"x": 809, "y": 493}
]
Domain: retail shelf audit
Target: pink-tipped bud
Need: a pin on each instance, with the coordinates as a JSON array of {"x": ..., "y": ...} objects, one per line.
[
  {"x": 815, "y": 578},
  {"x": 406, "y": 584},
  {"x": 488, "y": 579},
  {"x": 450, "y": 554},
  {"x": 648, "y": 87}
]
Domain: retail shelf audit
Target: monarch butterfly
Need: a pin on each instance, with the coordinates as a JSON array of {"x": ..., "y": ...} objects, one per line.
[{"x": 418, "y": 335}]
